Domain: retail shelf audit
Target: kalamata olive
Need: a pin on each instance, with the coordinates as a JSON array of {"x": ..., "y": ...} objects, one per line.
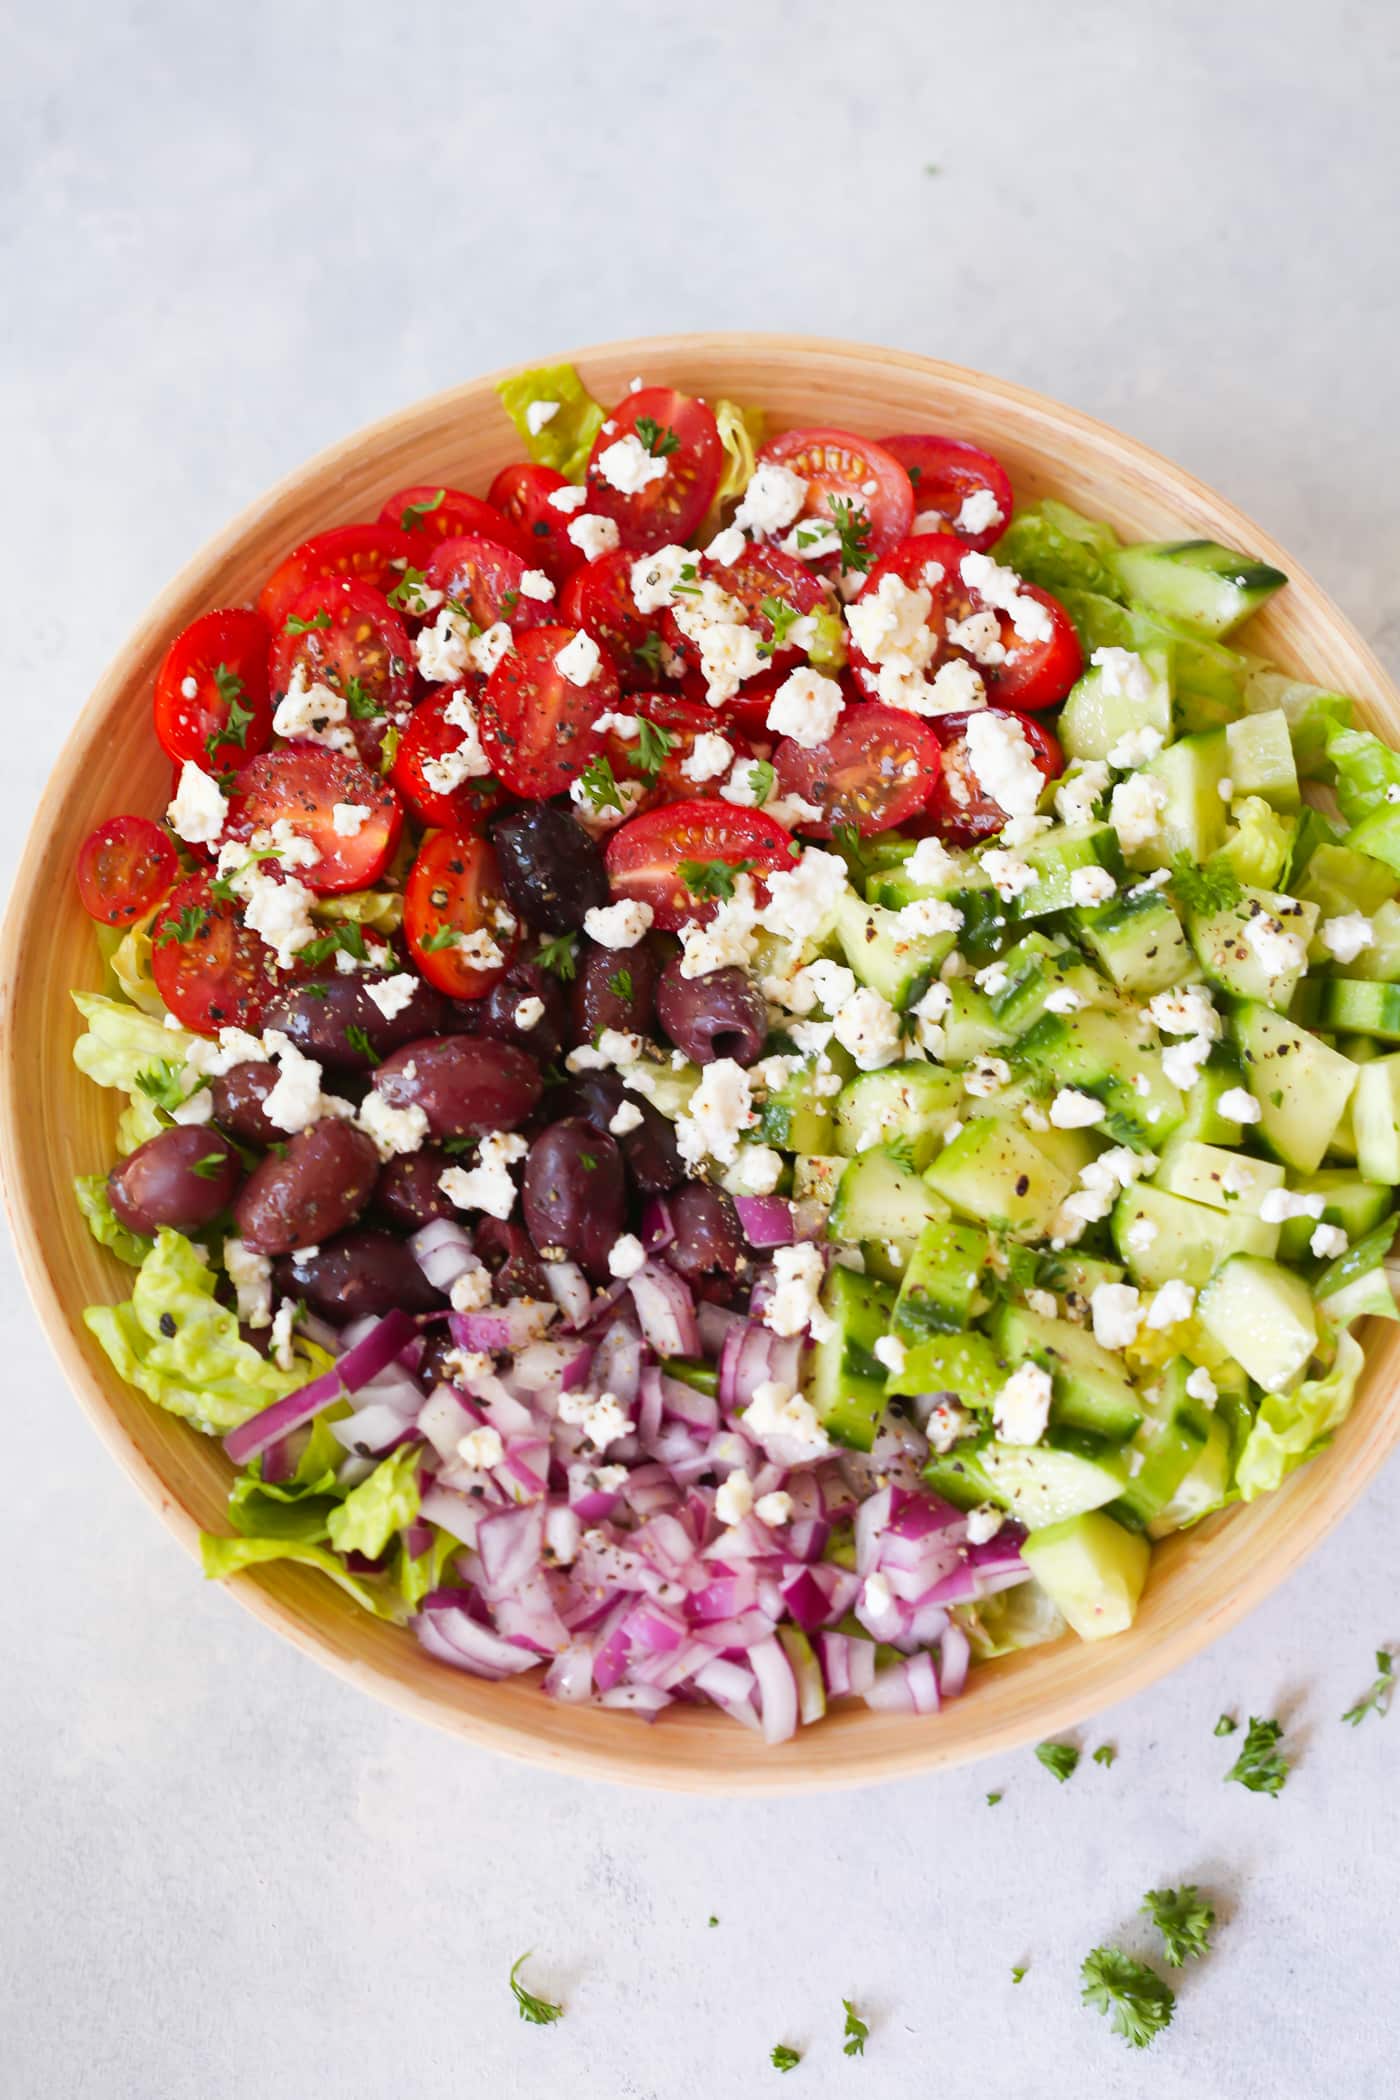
[
  {"x": 407, "y": 1195},
  {"x": 183, "y": 1177},
  {"x": 495, "y": 1015},
  {"x": 574, "y": 1194},
  {"x": 238, "y": 1103},
  {"x": 709, "y": 1250},
  {"x": 315, "y": 1189},
  {"x": 336, "y": 1022},
  {"x": 506, "y": 1249},
  {"x": 356, "y": 1275},
  {"x": 722, "y": 1014},
  {"x": 614, "y": 988},
  {"x": 648, "y": 1148},
  {"x": 551, "y": 871},
  {"x": 466, "y": 1085}
]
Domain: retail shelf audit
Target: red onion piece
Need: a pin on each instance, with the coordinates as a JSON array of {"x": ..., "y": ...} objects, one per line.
[
  {"x": 767, "y": 1220},
  {"x": 363, "y": 1361},
  {"x": 777, "y": 1690},
  {"x": 666, "y": 1311}
]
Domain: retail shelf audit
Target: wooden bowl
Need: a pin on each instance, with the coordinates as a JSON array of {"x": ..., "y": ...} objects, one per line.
[{"x": 55, "y": 1124}]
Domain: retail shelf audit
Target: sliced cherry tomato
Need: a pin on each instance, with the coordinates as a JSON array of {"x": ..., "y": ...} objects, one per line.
[
  {"x": 681, "y": 437},
  {"x": 765, "y": 580},
  {"x": 747, "y": 712},
  {"x": 536, "y": 724},
  {"x": 1036, "y": 673},
  {"x": 125, "y": 867},
  {"x": 376, "y": 554},
  {"x": 348, "y": 636},
  {"x": 303, "y": 783},
  {"x": 845, "y": 470},
  {"x": 521, "y": 493},
  {"x": 599, "y": 599},
  {"x": 429, "y": 514},
  {"x": 430, "y": 736},
  {"x": 454, "y": 892},
  {"x": 211, "y": 698},
  {"x": 211, "y": 970},
  {"x": 681, "y": 722},
  {"x": 646, "y": 855},
  {"x": 961, "y": 810},
  {"x": 487, "y": 578},
  {"x": 947, "y": 473},
  {"x": 878, "y": 768}
]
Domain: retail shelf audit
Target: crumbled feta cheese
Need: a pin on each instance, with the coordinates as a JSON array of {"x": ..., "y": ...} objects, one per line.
[
  {"x": 1136, "y": 748},
  {"x": 1090, "y": 886},
  {"x": 1175, "y": 1301},
  {"x": 1099, "y": 1184},
  {"x": 392, "y": 994},
  {"x": 567, "y": 500},
  {"x": 774, "y": 1509},
  {"x": 479, "y": 951},
  {"x": 486, "y": 1186},
  {"x": 709, "y": 756},
  {"x": 986, "y": 1076},
  {"x": 726, "y": 547},
  {"x": 980, "y": 512},
  {"x": 597, "y": 817},
  {"x": 1328, "y": 1241},
  {"x": 980, "y": 635},
  {"x": 772, "y": 500},
  {"x": 1239, "y": 1106},
  {"x": 806, "y": 707},
  {"x": 627, "y": 466},
  {"x": 718, "y": 1112},
  {"x": 1001, "y": 588},
  {"x": 600, "y": 1416},
  {"x": 1278, "y": 950},
  {"x": 1185, "y": 1011},
  {"x": 535, "y": 584},
  {"x": 1073, "y": 1110},
  {"x": 730, "y": 649},
  {"x": 1022, "y": 1408},
  {"x": 756, "y": 1172},
  {"x": 614, "y": 1047},
  {"x": 1136, "y": 810},
  {"x": 999, "y": 757},
  {"x": 802, "y": 901},
  {"x": 1277, "y": 1206},
  {"x": 793, "y": 1307},
  {"x": 1182, "y": 1062},
  {"x": 929, "y": 915},
  {"x": 481, "y": 1448},
  {"x": 394, "y": 1130},
  {"x": 1063, "y": 1000},
  {"x": 932, "y": 864},
  {"x": 295, "y": 1102},
  {"x": 1201, "y": 1386},
  {"x": 593, "y": 536},
  {"x": 538, "y": 413},
  {"x": 868, "y": 1027},
  {"x": 1139, "y": 1236},
  {"x": 626, "y": 1256},
  {"x": 470, "y": 1291},
  {"x": 443, "y": 651},
  {"x": 251, "y": 1277},
  {"x": 1009, "y": 875},
  {"x": 199, "y": 809},
  {"x": 734, "y": 1498},
  {"x": 282, "y": 1343},
  {"x": 198, "y": 1109},
  {"x": 983, "y": 1523},
  {"x": 627, "y": 1117},
  {"x": 579, "y": 660},
  {"x": 889, "y": 1350},
  {"x": 467, "y": 760},
  {"x": 529, "y": 1013},
  {"x": 619, "y": 925},
  {"x": 1045, "y": 1303},
  {"x": 1079, "y": 791},
  {"x": 1115, "y": 1309},
  {"x": 725, "y": 941},
  {"x": 1124, "y": 676},
  {"x": 654, "y": 577},
  {"x": 889, "y": 626},
  {"x": 349, "y": 818},
  {"x": 812, "y": 539},
  {"x": 777, "y": 1411},
  {"x": 992, "y": 980},
  {"x": 1347, "y": 936}
]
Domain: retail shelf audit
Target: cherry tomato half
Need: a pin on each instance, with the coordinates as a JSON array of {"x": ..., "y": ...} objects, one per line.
[
  {"x": 536, "y": 723},
  {"x": 838, "y": 467},
  {"x": 348, "y": 636},
  {"x": 487, "y": 578},
  {"x": 681, "y": 437},
  {"x": 454, "y": 892},
  {"x": 599, "y": 599},
  {"x": 1036, "y": 673},
  {"x": 875, "y": 771},
  {"x": 303, "y": 783},
  {"x": 375, "y": 554},
  {"x": 211, "y": 696},
  {"x": 946, "y": 473},
  {"x": 211, "y": 970},
  {"x": 681, "y": 721},
  {"x": 521, "y": 493},
  {"x": 961, "y": 810},
  {"x": 124, "y": 868},
  {"x": 431, "y": 736},
  {"x": 645, "y": 856},
  {"x": 430, "y": 514}
]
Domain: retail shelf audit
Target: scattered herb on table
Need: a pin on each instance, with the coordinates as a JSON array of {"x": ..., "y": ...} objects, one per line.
[
  {"x": 785, "y": 2059},
  {"x": 1260, "y": 1766},
  {"x": 1059, "y": 1758},
  {"x": 1184, "y": 1919},
  {"x": 856, "y": 2031},
  {"x": 1138, "y": 2004},
  {"x": 540, "y": 2012},
  {"x": 1377, "y": 1699}
]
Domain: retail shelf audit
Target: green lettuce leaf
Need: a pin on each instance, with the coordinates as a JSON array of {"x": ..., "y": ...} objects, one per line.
[
  {"x": 381, "y": 1505},
  {"x": 298, "y": 1507},
  {"x": 130, "y": 965},
  {"x": 224, "y": 1557},
  {"x": 1052, "y": 545},
  {"x": 417, "y": 1577},
  {"x": 121, "y": 1041},
  {"x": 1258, "y": 848},
  {"x": 104, "y": 1224},
  {"x": 741, "y": 434},
  {"x": 182, "y": 1349},
  {"x": 381, "y": 910},
  {"x": 566, "y": 440},
  {"x": 1290, "y": 1427},
  {"x": 1366, "y": 770},
  {"x": 1311, "y": 711}
]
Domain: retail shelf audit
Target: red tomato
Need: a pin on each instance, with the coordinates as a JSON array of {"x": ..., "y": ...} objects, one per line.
[
  {"x": 348, "y": 636},
  {"x": 375, "y": 554},
  {"x": 850, "y": 470},
  {"x": 303, "y": 783},
  {"x": 223, "y": 655},
  {"x": 430, "y": 735},
  {"x": 430, "y": 514},
  {"x": 454, "y": 891},
  {"x": 961, "y": 810},
  {"x": 211, "y": 970},
  {"x": 1036, "y": 674},
  {"x": 878, "y": 768},
  {"x": 680, "y": 434},
  {"x": 763, "y": 574},
  {"x": 486, "y": 578},
  {"x": 124, "y": 867},
  {"x": 521, "y": 493},
  {"x": 945, "y": 472},
  {"x": 748, "y": 710},
  {"x": 645, "y": 855},
  {"x": 536, "y": 724},
  {"x": 682, "y": 721},
  {"x": 599, "y": 599}
]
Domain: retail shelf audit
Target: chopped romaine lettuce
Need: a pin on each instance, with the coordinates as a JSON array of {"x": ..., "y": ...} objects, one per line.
[
  {"x": 381, "y": 1505},
  {"x": 1052, "y": 545},
  {"x": 1290, "y": 1427},
  {"x": 1258, "y": 848},
  {"x": 1367, "y": 771},
  {"x": 381, "y": 910},
  {"x": 104, "y": 1224},
  {"x": 224, "y": 1557},
  {"x": 298, "y": 1507},
  {"x": 122, "y": 1041},
  {"x": 565, "y": 440}
]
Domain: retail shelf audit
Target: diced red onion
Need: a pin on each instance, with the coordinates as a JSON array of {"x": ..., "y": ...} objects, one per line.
[
  {"x": 443, "y": 1251},
  {"x": 361, "y": 1362},
  {"x": 447, "y": 1631},
  {"x": 714, "y": 1322},
  {"x": 510, "y": 1543},
  {"x": 568, "y": 1287},
  {"x": 777, "y": 1690},
  {"x": 954, "y": 1655},
  {"x": 731, "y": 1687},
  {"x": 570, "y": 1676},
  {"x": 767, "y": 1220},
  {"x": 658, "y": 1226},
  {"x": 666, "y": 1310},
  {"x": 643, "y": 1699}
]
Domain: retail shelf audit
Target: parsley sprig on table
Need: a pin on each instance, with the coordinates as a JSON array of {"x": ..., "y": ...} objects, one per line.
[
  {"x": 1138, "y": 2004},
  {"x": 1260, "y": 1766},
  {"x": 540, "y": 2012},
  {"x": 1185, "y": 1920},
  {"x": 1059, "y": 1758},
  {"x": 856, "y": 2031},
  {"x": 785, "y": 2059},
  {"x": 1377, "y": 1699}
]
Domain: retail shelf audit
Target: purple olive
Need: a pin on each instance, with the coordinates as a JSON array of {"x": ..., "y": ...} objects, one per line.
[
  {"x": 649, "y": 1148},
  {"x": 506, "y": 1249},
  {"x": 614, "y": 988},
  {"x": 238, "y": 1103},
  {"x": 336, "y": 1022},
  {"x": 709, "y": 1249},
  {"x": 722, "y": 1014},
  {"x": 466, "y": 1085},
  {"x": 495, "y": 1015},
  {"x": 183, "y": 1177},
  {"x": 315, "y": 1189},
  {"x": 356, "y": 1275},
  {"x": 574, "y": 1195},
  {"x": 407, "y": 1195},
  {"x": 551, "y": 871}
]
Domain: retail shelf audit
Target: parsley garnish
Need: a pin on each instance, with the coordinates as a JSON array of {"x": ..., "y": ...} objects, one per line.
[
  {"x": 660, "y": 440},
  {"x": 1184, "y": 1921},
  {"x": 782, "y": 617},
  {"x": 762, "y": 780},
  {"x": 212, "y": 1163},
  {"x": 160, "y": 1083},
  {"x": 1135, "y": 1998},
  {"x": 413, "y": 514},
  {"x": 318, "y": 619},
  {"x": 712, "y": 878},
  {"x": 856, "y": 2031},
  {"x": 1059, "y": 1758},
  {"x": 358, "y": 1041},
  {"x": 599, "y": 783},
  {"x": 785, "y": 2059},
  {"x": 440, "y": 937},
  {"x": 620, "y": 984},
  {"x": 1377, "y": 1700},
  {"x": 712, "y": 1920},
  {"x": 847, "y": 840},
  {"x": 901, "y": 1151},
  {"x": 992, "y": 1800},
  {"x": 1017, "y": 1974},
  {"x": 360, "y": 701},
  {"x": 654, "y": 746},
  {"x": 648, "y": 654},
  {"x": 559, "y": 956},
  {"x": 235, "y": 729},
  {"x": 1210, "y": 887},
  {"x": 853, "y": 530},
  {"x": 407, "y": 593},
  {"x": 347, "y": 936},
  {"x": 1259, "y": 1765},
  {"x": 191, "y": 922},
  {"x": 540, "y": 2012},
  {"x": 1105, "y": 1754},
  {"x": 1225, "y": 1726}
]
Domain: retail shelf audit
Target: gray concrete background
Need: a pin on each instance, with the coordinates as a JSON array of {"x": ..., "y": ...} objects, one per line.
[{"x": 227, "y": 236}]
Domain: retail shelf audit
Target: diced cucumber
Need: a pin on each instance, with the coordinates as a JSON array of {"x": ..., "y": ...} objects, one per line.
[
  {"x": 1309, "y": 710},
  {"x": 797, "y": 1116},
  {"x": 1382, "y": 959},
  {"x": 880, "y": 1198},
  {"x": 912, "y": 1101},
  {"x": 1352, "y": 1202},
  {"x": 1302, "y": 1086},
  {"x": 1201, "y": 1489},
  {"x": 1139, "y": 941},
  {"x": 818, "y": 1175},
  {"x": 899, "y": 966},
  {"x": 1107, "y": 1055},
  {"x": 845, "y": 1381},
  {"x": 1376, "y": 1119},
  {"x": 1038, "y": 1484},
  {"x": 1169, "y": 1443},
  {"x": 1194, "y": 817},
  {"x": 1362, "y": 1006},
  {"x": 994, "y": 1172},
  {"x": 970, "y": 1026},
  {"x": 1378, "y": 835},
  {"x": 1093, "y": 1569},
  {"x": 1229, "y": 1181},
  {"x": 1368, "y": 1298},
  {"x": 1094, "y": 719},
  {"x": 965, "y": 1365},
  {"x": 1229, "y": 958},
  {"x": 1263, "y": 1316},
  {"x": 1207, "y": 588},
  {"x": 1260, "y": 758},
  {"x": 1186, "y": 1239},
  {"x": 1091, "y": 1392},
  {"x": 1056, "y": 855},
  {"x": 1222, "y": 1072},
  {"x": 941, "y": 1282}
]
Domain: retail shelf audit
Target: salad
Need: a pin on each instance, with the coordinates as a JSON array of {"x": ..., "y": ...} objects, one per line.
[{"x": 746, "y": 1068}]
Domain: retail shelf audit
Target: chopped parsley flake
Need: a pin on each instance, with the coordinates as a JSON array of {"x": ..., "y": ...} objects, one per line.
[
  {"x": 1184, "y": 1920},
  {"x": 1136, "y": 2000},
  {"x": 1059, "y": 1758},
  {"x": 1259, "y": 1766},
  {"x": 1377, "y": 1699},
  {"x": 540, "y": 2012},
  {"x": 856, "y": 2031}
]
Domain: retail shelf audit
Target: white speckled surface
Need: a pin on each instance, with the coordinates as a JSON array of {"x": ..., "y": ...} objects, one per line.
[{"x": 227, "y": 235}]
